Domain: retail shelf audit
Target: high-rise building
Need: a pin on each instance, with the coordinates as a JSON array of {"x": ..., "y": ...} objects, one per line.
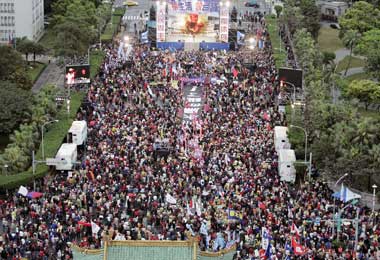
[{"x": 19, "y": 18}]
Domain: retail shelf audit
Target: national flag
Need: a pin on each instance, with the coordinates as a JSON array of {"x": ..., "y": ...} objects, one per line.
[
  {"x": 346, "y": 194},
  {"x": 94, "y": 227},
  {"x": 294, "y": 229},
  {"x": 297, "y": 248},
  {"x": 264, "y": 238},
  {"x": 268, "y": 251},
  {"x": 84, "y": 223}
]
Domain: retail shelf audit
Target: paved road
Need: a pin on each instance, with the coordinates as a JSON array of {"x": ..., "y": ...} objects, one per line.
[{"x": 53, "y": 74}]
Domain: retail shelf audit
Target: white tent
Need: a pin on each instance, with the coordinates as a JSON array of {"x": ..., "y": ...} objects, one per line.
[
  {"x": 67, "y": 153},
  {"x": 286, "y": 170},
  {"x": 78, "y": 131},
  {"x": 281, "y": 140}
]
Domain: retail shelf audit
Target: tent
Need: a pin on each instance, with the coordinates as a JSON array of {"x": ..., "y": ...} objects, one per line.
[
  {"x": 281, "y": 140},
  {"x": 286, "y": 170}
]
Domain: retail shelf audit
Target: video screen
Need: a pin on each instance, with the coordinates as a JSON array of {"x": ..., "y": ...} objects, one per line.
[
  {"x": 77, "y": 74},
  {"x": 293, "y": 76}
]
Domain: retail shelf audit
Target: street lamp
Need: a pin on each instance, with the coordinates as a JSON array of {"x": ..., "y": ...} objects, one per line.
[
  {"x": 303, "y": 129},
  {"x": 374, "y": 187},
  {"x": 340, "y": 179},
  {"x": 42, "y": 137},
  {"x": 5, "y": 169},
  {"x": 126, "y": 38}
]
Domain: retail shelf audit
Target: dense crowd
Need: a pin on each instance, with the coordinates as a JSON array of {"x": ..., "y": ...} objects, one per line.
[{"x": 132, "y": 192}]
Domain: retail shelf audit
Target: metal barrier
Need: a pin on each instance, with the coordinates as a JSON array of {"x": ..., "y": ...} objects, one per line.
[{"x": 151, "y": 250}]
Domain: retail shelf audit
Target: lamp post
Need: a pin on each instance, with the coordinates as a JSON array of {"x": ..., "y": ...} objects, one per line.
[
  {"x": 5, "y": 169},
  {"x": 374, "y": 187},
  {"x": 42, "y": 137},
  {"x": 335, "y": 185},
  {"x": 304, "y": 130}
]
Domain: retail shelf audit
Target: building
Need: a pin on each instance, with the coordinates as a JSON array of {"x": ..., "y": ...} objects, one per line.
[
  {"x": 19, "y": 18},
  {"x": 332, "y": 10}
]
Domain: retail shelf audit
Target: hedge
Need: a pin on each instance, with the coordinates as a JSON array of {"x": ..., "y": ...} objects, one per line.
[
  {"x": 96, "y": 59},
  {"x": 53, "y": 137}
]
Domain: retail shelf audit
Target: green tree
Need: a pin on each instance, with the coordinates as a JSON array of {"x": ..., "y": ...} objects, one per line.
[
  {"x": 366, "y": 91},
  {"x": 311, "y": 17},
  {"x": 15, "y": 103},
  {"x": 361, "y": 17},
  {"x": 24, "y": 45},
  {"x": 278, "y": 9},
  {"x": 328, "y": 57},
  {"x": 369, "y": 46},
  {"x": 350, "y": 39},
  {"x": 15, "y": 158}
]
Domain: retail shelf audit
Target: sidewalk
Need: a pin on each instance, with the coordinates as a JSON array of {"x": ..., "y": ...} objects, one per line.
[{"x": 52, "y": 74}]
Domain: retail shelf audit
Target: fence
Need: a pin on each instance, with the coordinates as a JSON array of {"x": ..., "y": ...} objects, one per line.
[{"x": 151, "y": 250}]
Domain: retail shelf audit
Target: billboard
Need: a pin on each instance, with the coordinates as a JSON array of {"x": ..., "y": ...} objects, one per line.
[
  {"x": 294, "y": 76},
  {"x": 192, "y": 20},
  {"x": 77, "y": 74}
]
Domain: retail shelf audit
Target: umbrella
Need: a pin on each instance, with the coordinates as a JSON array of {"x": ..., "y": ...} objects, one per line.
[{"x": 34, "y": 195}]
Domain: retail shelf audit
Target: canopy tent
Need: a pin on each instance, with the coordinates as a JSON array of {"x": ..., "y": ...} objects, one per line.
[
  {"x": 286, "y": 170},
  {"x": 281, "y": 140}
]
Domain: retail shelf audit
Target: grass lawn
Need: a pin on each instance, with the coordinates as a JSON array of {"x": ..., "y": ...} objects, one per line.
[
  {"x": 328, "y": 39},
  {"x": 278, "y": 54},
  {"x": 358, "y": 76},
  {"x": 355, "y": 63},
  {"x": 96, "y": 59},
  {"x": 35, "y": 70}
]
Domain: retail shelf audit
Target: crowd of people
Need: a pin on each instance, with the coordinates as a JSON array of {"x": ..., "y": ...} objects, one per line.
[{"x": 130, "y": 191}]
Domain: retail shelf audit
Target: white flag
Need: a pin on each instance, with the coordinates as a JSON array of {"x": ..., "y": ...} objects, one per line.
[
  {"x": 170, "y": 199},
  {"x": 23, "y": 191},
  {"x": 94, "y": 227}
]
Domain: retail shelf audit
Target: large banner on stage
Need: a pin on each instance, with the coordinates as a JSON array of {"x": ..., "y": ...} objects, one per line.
[
  {"x": 193, "y": 20},
  {"x": 160, "y": 24},
  {"x": 224, "y": 16}
]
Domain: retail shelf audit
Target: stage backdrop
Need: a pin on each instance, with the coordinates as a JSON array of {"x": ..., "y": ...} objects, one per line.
[{"x": 193, "y": 20}]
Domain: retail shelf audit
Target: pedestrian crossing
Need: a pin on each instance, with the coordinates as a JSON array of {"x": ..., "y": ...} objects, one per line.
[{"x": 134, "y": 18}]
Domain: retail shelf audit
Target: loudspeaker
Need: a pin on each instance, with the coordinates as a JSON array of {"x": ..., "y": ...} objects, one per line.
[
  {"x": 232, "y": 39},
  {"x": 152, "y": 37}
]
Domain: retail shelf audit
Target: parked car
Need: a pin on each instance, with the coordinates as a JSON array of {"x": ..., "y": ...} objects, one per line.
[
  {"x": 131, "y": 3},
  {"x": 252, "y": 4},
  {"x": 334, "y": 26}
]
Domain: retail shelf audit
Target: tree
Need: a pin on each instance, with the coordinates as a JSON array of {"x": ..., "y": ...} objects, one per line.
[
  {"x": 366, "y": 91},
  {"x": 76, "y": 29},
  {"x": 12, "y": 68},
  {"x": 25, "y": 46},
  {"x": 328, "y": 57},
  {"x": 369, "y": 46},
  {"x": 361, "y": 17},
  {"x": 14, "y": 104},
  {"x": 350, "y": 40},
  {"x": 278, "y": 9},
  {"x": 311, "y": 17},
  {"x": 15, "y": 159}
]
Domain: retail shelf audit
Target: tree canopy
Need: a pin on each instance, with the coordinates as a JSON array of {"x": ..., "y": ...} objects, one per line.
[
  {"x": 369, "y": 46},
  {"x": 361, "y": 17},
  {"x": 15, "y": 104}
]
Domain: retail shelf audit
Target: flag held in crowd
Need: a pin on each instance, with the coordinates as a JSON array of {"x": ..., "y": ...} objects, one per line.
[
  {"x": 23, "y": 191},
  {"x": 234, "y": 215},
  {"x": 346, "y": 194},
  {"x": 170, "y": 199},
  {"x": 94, "y": 228}
]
